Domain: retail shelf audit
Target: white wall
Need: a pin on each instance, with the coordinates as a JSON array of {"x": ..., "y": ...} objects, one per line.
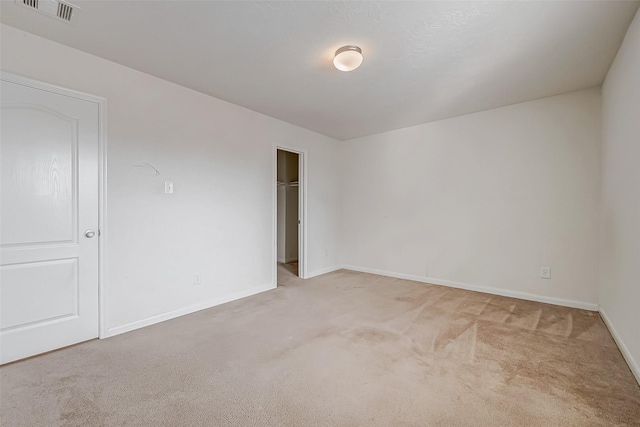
[
  {"x": 483, "y": 200},
  {"x": 220, "y": 221},
  {"x": 291, "y": 245},
  {"x": 620, "y": 219}
]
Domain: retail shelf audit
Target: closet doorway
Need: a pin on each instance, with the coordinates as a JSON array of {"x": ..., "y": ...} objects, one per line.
[{"x": 289, "y": 214}]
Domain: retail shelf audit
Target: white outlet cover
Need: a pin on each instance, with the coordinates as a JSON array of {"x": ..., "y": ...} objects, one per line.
[
  {"x": 545, "y": 272},
  {"x": 197, "y": 279}
]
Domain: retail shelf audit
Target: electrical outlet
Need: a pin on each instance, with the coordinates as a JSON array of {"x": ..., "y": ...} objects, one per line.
[
  {"x": 197, "y": 279},
  {"x": 545, "y": 272}
]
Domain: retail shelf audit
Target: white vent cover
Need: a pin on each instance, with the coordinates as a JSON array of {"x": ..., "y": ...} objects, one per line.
[{"x": 57, "y": 9}]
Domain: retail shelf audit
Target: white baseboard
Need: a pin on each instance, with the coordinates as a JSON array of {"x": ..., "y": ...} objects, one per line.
[
  {"x": 183, "y": 311},
  {"x": 323, "y": 271},
  {"x": 479, "y": 288},
  {"x": 635, "y": 368}
]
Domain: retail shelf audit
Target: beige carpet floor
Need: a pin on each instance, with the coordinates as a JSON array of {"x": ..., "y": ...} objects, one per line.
[{"x": 343, "y": 349}]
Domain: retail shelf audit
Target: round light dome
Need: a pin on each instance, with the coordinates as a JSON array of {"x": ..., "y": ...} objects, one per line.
[{"x": 348, "y": 58}]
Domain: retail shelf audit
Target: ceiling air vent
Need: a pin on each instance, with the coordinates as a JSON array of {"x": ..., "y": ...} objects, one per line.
[{"x": 57, "y": 9}]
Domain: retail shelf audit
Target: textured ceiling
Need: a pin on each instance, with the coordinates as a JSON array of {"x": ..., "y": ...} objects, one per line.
[{"x": 424, "y": 61}]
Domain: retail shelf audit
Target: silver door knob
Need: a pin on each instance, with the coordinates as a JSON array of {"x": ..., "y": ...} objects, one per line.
[{"x": 89, "y": 234}]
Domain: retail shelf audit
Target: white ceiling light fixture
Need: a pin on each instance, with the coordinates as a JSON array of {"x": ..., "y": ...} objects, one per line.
[{"x": 348, "y": 58}]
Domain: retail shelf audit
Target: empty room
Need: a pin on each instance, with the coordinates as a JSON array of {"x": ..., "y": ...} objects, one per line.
[{"x": 319, "y": 213}]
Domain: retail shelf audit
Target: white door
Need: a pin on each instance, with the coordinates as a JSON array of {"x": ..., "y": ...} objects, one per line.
[{"x": 48, "y": 221}]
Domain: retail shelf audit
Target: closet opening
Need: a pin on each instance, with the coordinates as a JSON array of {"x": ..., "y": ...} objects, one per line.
[{"x": 289, "y": 215}]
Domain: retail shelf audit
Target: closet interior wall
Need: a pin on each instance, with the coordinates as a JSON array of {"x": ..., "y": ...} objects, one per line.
[{"x": 287, "y": 180}]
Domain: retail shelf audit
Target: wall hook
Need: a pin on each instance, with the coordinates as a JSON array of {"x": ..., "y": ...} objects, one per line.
[{"x": 145, "y": 164}]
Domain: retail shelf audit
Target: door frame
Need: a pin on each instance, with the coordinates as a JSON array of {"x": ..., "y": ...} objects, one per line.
[
  {"x": 102, "y": 178},
  {"x": 302, "y": 209}
]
